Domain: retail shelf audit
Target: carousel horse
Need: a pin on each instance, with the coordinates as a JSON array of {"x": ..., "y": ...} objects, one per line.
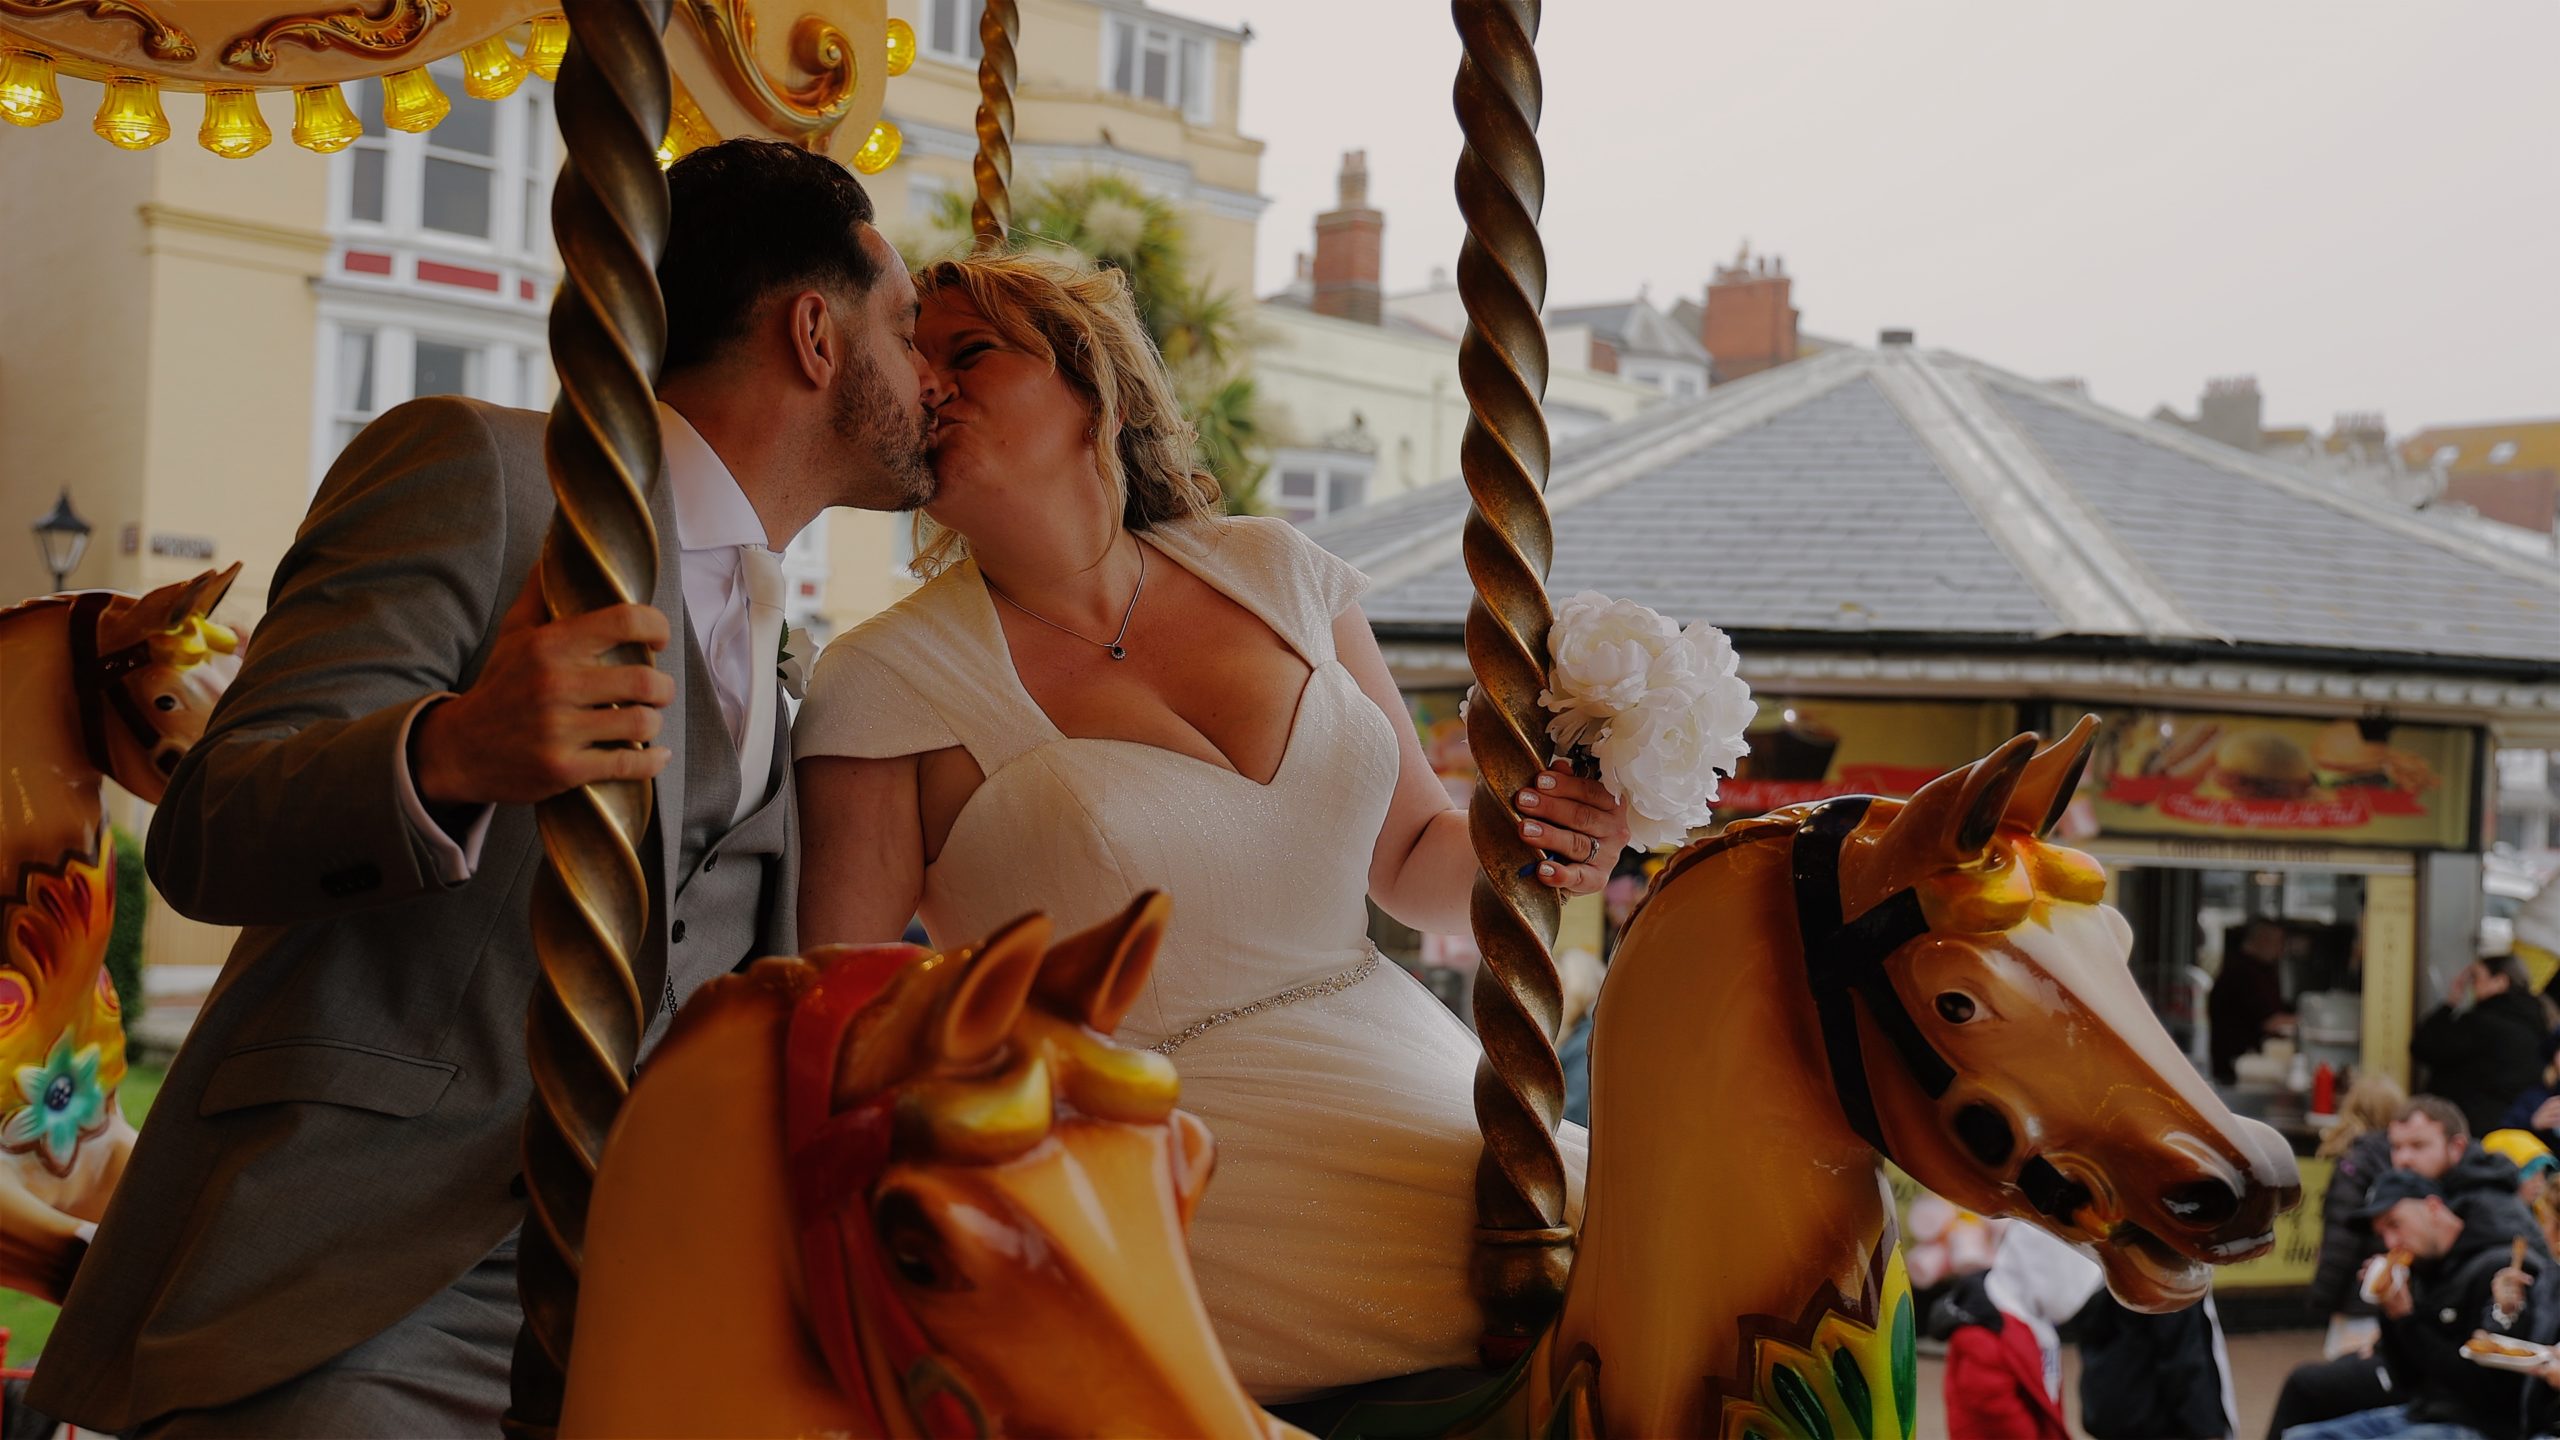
[
  {"x": 1736, "y": 1272},
  {"x": 98, "y": 685},
  {"x": 885, "y": 1192}
]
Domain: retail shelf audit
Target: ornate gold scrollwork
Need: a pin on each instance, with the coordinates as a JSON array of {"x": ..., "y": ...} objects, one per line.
[
  {"x": 162, "y": 40},
  {"x": 807, "y": 112},
  {"x": 400, "y": 26}
]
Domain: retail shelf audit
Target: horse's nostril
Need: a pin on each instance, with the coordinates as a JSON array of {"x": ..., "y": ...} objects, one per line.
[
  {"x": 2203, "y": 1204},
  {"x": 167, "y": 760},
  {"x": 1985, "y": 1134}
]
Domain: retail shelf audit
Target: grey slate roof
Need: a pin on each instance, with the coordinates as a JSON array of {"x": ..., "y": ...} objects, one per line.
[
  {"x": 1923, "y": 496},
  {"x": 1635, "y": 327}
]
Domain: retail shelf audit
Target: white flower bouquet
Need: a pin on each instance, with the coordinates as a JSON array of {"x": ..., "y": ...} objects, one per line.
[{"x": 1661, "y": 710}]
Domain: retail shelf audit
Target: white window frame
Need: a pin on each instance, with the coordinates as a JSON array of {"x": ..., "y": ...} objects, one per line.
[
  {"x": 1191, "y": 85},
  {"x": 1328, "y": 467},
  {"x": 524, "y": 159},
  {"x": 513, "y": 365},
  {"x": 966, "y": 52}
]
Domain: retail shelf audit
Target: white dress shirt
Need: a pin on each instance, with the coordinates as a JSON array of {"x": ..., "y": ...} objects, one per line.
[{"x": 713, "y": 519}]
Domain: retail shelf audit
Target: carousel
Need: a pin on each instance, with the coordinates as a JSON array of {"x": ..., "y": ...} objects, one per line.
[{"x": 1823, "y": 989}]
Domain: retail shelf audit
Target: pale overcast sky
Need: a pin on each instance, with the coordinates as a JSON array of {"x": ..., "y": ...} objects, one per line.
[{"x": 2358, "y": 201}]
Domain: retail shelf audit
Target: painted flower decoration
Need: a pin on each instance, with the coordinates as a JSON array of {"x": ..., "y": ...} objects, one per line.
[
  {"x": 793, "y": 663},
  {"x": 1662, "y": 709},
  {"x": 64, "y": 1106}
]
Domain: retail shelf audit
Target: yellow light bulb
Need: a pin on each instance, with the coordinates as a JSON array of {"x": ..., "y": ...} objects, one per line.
[
  {"x": 411, "y": 101},
  {"x": 131, "y": 117},
  {"x": 670, "y": 150},
  {"x": 880, "y": 150},
  {"x": 233, "y": 128},
  {"x": 28, "y": 95},
  {"x": 548, "y": 41},
  {"x": 491, "y": 71},
  {"x": 902, "y": 46},
  {"x": 322, "y": 121}
]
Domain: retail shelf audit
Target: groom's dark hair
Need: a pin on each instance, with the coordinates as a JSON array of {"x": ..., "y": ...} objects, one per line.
[{"x": 748, "y": 218}]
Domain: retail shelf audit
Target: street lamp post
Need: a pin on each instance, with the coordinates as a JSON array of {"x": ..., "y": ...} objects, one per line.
[{"x": 63, "y": 537}]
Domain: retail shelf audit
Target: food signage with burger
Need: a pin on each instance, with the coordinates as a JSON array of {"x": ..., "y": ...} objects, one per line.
[{"x": 2367, "y": 781}]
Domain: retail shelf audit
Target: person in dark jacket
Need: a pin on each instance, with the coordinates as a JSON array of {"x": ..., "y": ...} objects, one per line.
[
  {"x": 2151, "y": 1377},
  {"x": 2427, "y": 1136},
  {"x": 2457, "y": 1248},
  {"x": 2483, "y": 1046}
]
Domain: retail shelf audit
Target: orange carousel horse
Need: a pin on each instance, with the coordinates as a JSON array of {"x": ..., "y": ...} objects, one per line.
[
  {"x": 884, "y": 1192},
  {"x": 97, "y": 685},
  {"x": 1809, "y": 993}
]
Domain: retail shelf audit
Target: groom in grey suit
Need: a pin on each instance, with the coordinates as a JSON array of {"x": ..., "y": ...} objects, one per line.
[{"x": 316, "y": 1235}]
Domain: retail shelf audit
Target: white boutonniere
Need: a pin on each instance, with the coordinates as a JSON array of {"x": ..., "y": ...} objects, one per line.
[
  {"x": 793, "y": 663},
  {"x": 1662, "y": 710}
]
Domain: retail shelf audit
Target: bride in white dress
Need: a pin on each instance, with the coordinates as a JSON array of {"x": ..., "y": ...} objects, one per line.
[{"x": 1108, "y": 688}]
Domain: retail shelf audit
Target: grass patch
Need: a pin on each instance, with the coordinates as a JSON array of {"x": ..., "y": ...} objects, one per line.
[{"x": 29, "y": 1320}]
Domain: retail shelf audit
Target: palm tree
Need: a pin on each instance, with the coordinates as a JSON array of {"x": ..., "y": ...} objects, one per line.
[{"x": 1110, "y": 220}]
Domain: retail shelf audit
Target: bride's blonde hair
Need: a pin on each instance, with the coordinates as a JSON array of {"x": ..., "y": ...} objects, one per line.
[{"x": 1082, "y": 320}]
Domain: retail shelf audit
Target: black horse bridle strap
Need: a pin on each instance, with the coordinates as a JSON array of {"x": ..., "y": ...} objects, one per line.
[
  {"x": 1845, "y": 958},
  {"x": 95, "y": 677}
]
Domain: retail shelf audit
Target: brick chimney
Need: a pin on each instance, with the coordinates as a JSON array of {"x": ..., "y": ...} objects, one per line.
[
  {"x": 1350, "y": 245},
  {"x": 1749, "y": 324},
  {"x": 2233, "y": 412}
]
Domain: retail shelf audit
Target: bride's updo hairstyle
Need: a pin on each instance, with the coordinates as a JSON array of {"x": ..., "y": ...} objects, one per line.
[{"x": 1083, "y": 322}]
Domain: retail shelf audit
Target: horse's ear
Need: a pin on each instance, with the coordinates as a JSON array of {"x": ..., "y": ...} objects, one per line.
[
  {"x": 206, "y": 591},
  {"x": 1095, "y": 975},
  {"x": 993, "y": 985},
  {"x": 2052, "y": 778},
  {"x": 1953, "y": 818},
  {"x": 131, "y": 622}
]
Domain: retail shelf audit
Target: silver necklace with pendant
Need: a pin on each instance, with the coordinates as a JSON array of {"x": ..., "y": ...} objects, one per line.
[{"x": 1112, "y": 646}]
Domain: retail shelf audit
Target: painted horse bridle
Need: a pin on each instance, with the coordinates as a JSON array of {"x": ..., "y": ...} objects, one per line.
[
  {"x": 1844, "y": 962},
  {"x": 97, "y": 683}
]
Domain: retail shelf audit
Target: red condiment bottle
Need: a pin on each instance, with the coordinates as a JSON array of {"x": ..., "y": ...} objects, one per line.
[{"x": 2324, "y": 1090}]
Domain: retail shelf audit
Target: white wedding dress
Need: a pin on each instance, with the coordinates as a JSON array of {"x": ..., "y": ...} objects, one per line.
[{"x": 1332, "y": 1245}]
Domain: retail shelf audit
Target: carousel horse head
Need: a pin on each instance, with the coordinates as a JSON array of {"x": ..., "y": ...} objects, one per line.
[
  {"x": 981, "y": 1200},
  {"x": 2006, "y": 1059},
  {"x": 99, "y": 684},
  {"x": 160, "y": 663},
  {"x": 144, "y": 672}
]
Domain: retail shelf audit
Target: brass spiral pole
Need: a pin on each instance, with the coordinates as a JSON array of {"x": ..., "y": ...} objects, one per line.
[
  {"x": 1522, "y": 1246},
  {"x": 591, "y": 901},
  {"x": 991, "y": 215}
]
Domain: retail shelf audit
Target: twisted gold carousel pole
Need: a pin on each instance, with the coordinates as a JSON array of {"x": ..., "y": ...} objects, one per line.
[
  {"x": 591, "y": 902},
  {"x": 992, "y": 213},
  {"x": 1522, "y": 1246}
]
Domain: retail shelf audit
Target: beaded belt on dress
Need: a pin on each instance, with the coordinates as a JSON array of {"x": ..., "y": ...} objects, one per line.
[{"x": 1333, "y": 984}]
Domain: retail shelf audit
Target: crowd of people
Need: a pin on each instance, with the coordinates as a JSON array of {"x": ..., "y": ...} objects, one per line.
[
  {"x": 2439, "y": 1224},
  {"x": 2441, "y": 1221}
]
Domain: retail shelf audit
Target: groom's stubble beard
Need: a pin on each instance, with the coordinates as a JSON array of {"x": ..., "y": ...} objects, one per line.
[{"x": 867, "y": 420}]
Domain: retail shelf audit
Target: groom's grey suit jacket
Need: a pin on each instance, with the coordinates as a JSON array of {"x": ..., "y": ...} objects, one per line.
[{"x": 338, "y": 1139}]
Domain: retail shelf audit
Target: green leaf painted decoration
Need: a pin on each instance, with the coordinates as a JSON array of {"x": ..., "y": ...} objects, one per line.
[
  {"x": 1801, "y": 1404},
  {"x": 1854, "y": 1394},
  {"x": 1906, "y": 1367}
]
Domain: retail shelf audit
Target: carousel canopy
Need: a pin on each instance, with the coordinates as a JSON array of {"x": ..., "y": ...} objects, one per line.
[{"x": 1917, "y": 499}]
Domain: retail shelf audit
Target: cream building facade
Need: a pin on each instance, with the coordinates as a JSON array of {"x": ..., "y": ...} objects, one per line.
[{"x": 1112, "y": 86}]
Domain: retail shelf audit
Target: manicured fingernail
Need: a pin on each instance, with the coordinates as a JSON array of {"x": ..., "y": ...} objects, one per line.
[
  {"x": 1532, "y": 829},
  {"x": 1528, "y": 800},
  {"x": 1546, "y": 782},
  {"x": 1546, "y": 872}
]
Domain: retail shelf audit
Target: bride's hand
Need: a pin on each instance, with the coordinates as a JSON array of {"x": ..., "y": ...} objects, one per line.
[{"x": 1580, "y": 825}]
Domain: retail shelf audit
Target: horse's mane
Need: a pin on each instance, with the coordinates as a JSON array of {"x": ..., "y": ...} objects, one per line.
[
  {"x": 1776, "y": 825},
  {"x": 39, "y": 602},
  {"x": 1993, "y": 893}
]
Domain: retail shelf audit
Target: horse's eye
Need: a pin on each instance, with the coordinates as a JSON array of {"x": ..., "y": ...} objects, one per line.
[
  {"x": 1955, "y": 1007},
  {"x": 912, "y": 1246},
  {"x": 164, "y": 702}
]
